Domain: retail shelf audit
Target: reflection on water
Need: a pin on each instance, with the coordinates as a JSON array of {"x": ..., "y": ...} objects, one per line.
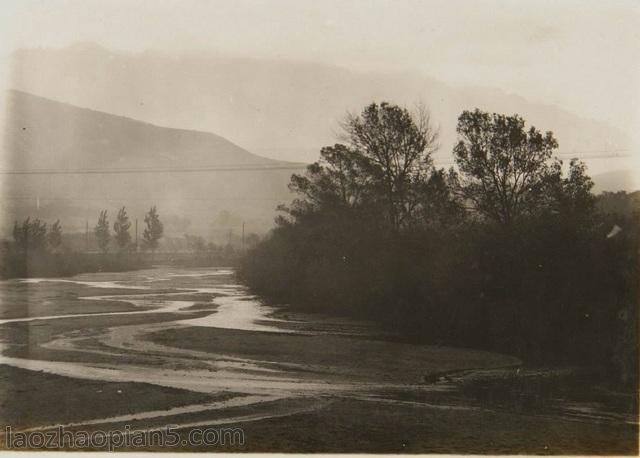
[
  {"x": 211, "y": 298},
  {"x": 234, "y": 308},
  {"x": 166, "y": 291},
  {"x": 92, "y": 284},
  {"x": 238, "y": 311}
]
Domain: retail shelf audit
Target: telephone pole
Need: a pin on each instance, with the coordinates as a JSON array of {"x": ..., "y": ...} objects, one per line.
[
  {"x": 243, "y": 236},
  {"x": 136, "y": 235},
  {"x": 86, "y": 236}
]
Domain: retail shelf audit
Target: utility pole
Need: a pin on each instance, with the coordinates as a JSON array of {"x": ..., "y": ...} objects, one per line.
[
  {"x": 136, "y": 235},
  {"x": 243, "y": 236},
  {"x": 86, "y": 236}
]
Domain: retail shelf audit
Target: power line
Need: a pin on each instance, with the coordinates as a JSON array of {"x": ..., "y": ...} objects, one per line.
[
  {"x": 224, "y": 168},
  {"x": 136, "y": 199},
  {"x": 590, "y": 154}
]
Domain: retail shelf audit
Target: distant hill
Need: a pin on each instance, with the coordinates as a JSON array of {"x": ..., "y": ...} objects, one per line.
[
  {"x": 281, "y": 109},
  {"x": 619, "y": 180},
  {"x": 619, "y": 206},
  {"x": 44, "y": 134}
]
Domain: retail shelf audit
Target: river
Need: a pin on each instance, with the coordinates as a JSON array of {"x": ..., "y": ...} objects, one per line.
[{"x": 199, "y": 331}]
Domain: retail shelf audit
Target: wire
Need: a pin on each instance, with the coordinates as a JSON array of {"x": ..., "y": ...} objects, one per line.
[
  {"x": 594, "y": 154},
  {"x": 225, "y": 168},
  {"x": 119, "y": 199}
]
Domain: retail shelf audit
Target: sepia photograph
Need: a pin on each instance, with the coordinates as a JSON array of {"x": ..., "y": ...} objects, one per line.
[{"x": 338, "y": 227}]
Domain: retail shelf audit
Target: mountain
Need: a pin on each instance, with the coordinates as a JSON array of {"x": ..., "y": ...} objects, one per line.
[
  {"x": 280, "y": 109},
  {"x": 618, "y": 180},
  {"x": 48, "y": 135}
]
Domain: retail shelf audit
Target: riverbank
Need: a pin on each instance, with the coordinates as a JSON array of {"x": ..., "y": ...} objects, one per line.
[
  {"x": 356, "y": 357},
  {"x": 67, "y": 264},
  {"x": 366, "y": 426},
  {"x": 32, "y": 398},
  {"x": 162, "y": 346},
  {"x": 468, "y": 406},
  {"x": 70, "y": 263}
]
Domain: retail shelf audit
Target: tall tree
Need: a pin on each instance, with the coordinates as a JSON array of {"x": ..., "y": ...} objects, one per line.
[
  {"x": 54, "y": 237},
  {"x": 505, "y": 171},
  {"x": 30, "y": 235},
  {"x": 571, "y": 197},
  {"x": 154, "y": 230},
  {"x": 383, "y": 165},
  {"x": 103, "y": 235},
  {"x": 21, "y": 234},
  {"x": 394, "y": 149},
  {"x": 121, "y": 228},
  {"x": 335, "y": 182},
  {"x": 439, "y": 204}
]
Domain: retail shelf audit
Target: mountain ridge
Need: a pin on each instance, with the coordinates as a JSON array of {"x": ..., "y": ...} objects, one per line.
[
  {"x": 292, "y": 107},
  {"x": 152, "y": 143},
  {"x": 42, "y": 134}
]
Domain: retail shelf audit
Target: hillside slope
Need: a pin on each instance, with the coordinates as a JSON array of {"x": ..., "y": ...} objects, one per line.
[
  {"x": 282, "y": 109},
  {"x": 44, "y": 134},
  {"x": 617, "y": 180}
]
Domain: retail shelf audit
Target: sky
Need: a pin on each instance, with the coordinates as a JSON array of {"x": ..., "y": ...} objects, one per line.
[{"x": 580, "y": 55}]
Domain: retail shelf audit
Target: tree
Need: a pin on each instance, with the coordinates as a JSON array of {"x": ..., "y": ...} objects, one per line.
[
  {"x": 394, "y": 151},
  {"x": 54, "y": 237},
  {"x": 102, "y": 232},
  {"x": 30, "y": 235},
  {"x": 504, "y": 170},
  {"x": 121, "y": 228},
  {"x": 381, "y": 168},
  {"x": 21, "y": 234},
  {"x": 571, "y": 197},
  {"x": 439, "y": 205},
  {"x": 335, "y": 182},
  {"x": 153, "y": 231},
  {"x": 196, "y": 243}
]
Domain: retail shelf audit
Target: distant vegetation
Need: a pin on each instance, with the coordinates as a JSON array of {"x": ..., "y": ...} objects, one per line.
[
  {"x": 508, "y": 250},
  {"x": 38, "y": 249}
]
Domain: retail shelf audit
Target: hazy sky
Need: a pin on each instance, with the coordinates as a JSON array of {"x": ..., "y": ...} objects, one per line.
[{"x": 581, "y": 55}]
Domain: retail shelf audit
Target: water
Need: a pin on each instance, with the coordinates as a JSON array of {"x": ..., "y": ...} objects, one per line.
[
  {"x": 222, "y": 304},
  {"x": 109, "y": 323}
]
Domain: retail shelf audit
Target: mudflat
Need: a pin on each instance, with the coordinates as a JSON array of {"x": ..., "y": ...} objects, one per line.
[{"x": 187, "y": 347}]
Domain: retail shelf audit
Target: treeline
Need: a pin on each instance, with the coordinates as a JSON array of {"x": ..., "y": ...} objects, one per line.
[
  {"x": 508, "y": 250},
  {"x": 37, "y": 249},
  {"x": 121, "y": 236},
  {"x": 205, "y": 254}
]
